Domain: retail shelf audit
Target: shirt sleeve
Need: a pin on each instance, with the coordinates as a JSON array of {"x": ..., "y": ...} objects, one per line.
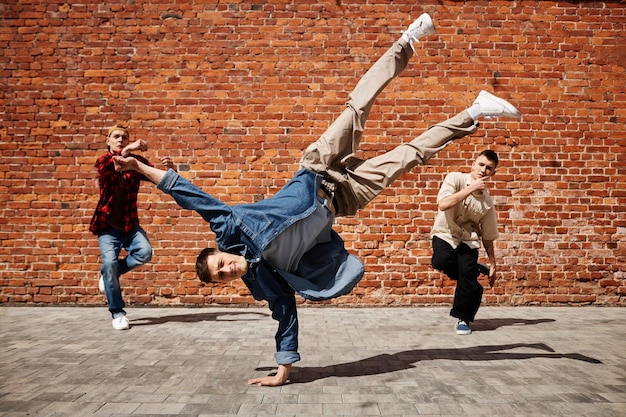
[
  {"x": 284, "y": 311},
  {"x": 105, "y": 167},
  {"x": 266, "y": 284},
  {"x": 453, "y": 183}
]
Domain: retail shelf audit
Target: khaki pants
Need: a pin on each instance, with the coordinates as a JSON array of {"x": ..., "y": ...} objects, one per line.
[{"x": 359, "y": 181}]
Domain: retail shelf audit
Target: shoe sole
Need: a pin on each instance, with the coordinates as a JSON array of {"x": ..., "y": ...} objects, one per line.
[
  {"x": 510, "y": 111},
  {"x": 428, "y": 26}
]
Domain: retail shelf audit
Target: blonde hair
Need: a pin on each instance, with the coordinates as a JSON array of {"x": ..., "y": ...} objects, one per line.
[{"x": 118, "y": 126}]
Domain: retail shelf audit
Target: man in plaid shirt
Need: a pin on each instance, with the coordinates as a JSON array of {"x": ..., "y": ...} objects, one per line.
[{"x": 116, "y": 222}]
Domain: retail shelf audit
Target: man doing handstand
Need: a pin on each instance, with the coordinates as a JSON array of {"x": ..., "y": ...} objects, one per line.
[{"x": 286, "y": 244}]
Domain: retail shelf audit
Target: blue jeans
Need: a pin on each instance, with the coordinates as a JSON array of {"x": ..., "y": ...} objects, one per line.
[{"x": 138, "y": 251}]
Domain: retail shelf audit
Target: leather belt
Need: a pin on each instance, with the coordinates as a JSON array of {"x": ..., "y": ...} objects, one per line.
[{"x": 328, "y": 199}]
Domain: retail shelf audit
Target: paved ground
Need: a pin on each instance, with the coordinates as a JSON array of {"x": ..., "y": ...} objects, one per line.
[{"x": 530, "y": 361}]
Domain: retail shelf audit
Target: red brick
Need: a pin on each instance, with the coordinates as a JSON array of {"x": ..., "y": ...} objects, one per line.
[{"x": 236, "y": 108}]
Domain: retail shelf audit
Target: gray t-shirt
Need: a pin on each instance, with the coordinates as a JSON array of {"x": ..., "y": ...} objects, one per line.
[{"x": 286, "y": 250}]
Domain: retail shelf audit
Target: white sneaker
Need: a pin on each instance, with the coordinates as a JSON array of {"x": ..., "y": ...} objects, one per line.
[
  {"x": 492, "y": 106},
  {"x": 422, "y": 26},
  {"x": 101, "y": 283},
  {"x": 120, "y": 323}
]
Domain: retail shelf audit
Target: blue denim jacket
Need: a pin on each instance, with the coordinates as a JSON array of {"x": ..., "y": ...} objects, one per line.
[{"x": 326, "y": 271}]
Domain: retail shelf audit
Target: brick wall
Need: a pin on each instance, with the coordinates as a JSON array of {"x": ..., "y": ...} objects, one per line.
[{"x": 234, "y": 91}]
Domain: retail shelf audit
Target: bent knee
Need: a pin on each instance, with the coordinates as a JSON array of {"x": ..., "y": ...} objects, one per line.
[
  {"x": 147, "y": 255},
  {"x": 439, "y": 264},
  {"x": 143, "y": 255}
]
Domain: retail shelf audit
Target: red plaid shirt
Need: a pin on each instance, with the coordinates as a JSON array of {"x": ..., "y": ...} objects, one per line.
[{"x": 109, "y": 181}]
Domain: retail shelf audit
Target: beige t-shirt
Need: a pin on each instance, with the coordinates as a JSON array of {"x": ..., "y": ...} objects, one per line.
[{"x": 471, "y": 220}]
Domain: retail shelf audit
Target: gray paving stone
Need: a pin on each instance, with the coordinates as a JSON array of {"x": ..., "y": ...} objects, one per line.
[{"x": 193, "y": 362}]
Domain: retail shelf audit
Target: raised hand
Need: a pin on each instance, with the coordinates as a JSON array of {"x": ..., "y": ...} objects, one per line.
[
  {"x": 168, "y": 163},
  {"x": 124, "y": 163}
]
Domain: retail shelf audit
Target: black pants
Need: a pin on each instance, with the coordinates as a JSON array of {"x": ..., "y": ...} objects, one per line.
[{"x": 461, "y": 265}]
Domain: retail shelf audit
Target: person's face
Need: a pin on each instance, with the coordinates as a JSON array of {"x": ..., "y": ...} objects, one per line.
[
  {"x": 117, "y": 140},
  {"x": 483, "y": 168},
  {"x": 225, "y": 267}
]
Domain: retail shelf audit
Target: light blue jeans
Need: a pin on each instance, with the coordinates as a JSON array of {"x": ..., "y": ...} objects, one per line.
[{"x": 138, "y": 251}]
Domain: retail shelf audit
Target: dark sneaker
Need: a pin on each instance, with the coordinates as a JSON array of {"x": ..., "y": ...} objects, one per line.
[{"x": 462, "y": 327}]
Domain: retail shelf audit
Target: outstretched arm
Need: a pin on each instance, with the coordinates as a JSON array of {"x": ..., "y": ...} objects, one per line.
[
  {"x": 187, "y": 195},
  {"x": 153, "y": 174}
]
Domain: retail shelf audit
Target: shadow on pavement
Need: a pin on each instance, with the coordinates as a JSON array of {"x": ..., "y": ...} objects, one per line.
[
  {"x": 492, "y": 324},
  {"x": 194, "y": 318},
  {"x": 386, "y": 363}
]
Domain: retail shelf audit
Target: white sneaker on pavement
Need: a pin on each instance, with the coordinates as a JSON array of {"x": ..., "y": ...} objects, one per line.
[
  {"x": 120, "y": 323},
  {"x": 492, "y": 106}
]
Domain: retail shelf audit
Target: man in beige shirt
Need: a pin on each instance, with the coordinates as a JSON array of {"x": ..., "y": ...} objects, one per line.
[{"x": 466, "y": 216}]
